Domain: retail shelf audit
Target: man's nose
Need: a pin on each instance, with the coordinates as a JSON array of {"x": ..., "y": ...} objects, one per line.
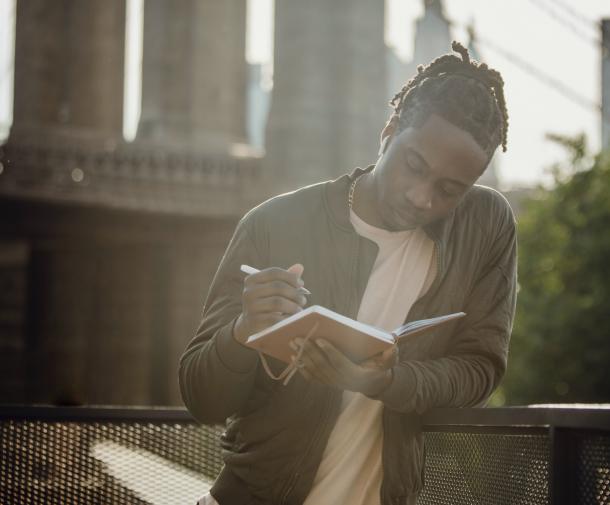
[{"x": 420, "y": 196}]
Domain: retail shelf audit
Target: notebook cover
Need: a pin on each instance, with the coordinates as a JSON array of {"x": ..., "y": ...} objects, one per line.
[{"x": 357, "y": 345}]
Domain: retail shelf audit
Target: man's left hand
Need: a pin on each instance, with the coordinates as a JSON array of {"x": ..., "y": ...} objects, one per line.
[{"x": 323, "y": 362}]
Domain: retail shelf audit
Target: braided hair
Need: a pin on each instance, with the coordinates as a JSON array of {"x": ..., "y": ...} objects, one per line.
[{"x": 468, "y": 94}]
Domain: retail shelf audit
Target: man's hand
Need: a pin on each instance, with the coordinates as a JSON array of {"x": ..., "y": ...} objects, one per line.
[
  {"x": 323, "y": 362},
  {"x": 268, "y": 297}
]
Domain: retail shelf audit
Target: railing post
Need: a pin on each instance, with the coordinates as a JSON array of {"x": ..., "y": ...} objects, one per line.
[{"x": 563, "y": 467}]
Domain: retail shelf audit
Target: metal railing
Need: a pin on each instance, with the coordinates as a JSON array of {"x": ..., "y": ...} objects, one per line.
[{"x": 519, "y": 455}]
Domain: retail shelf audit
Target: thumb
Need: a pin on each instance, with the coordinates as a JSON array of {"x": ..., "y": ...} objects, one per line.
[
  {"x": 297, "y": 268},
  {"x": 387, "y": 354}
]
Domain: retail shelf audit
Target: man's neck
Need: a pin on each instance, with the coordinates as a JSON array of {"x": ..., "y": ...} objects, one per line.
[{"x": 365, "y": 200}]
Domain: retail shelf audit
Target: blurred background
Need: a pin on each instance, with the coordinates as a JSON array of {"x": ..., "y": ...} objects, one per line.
[{"x": 135, "y": 133}]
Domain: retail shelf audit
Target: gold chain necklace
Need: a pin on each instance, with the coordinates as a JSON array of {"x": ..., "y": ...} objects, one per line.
[{"x": 352, "y": 189}]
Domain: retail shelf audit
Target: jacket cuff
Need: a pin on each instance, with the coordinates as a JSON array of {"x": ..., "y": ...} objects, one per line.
[
  {"x": 400, "y": 394},
  {"x": 234, "y": 356}
]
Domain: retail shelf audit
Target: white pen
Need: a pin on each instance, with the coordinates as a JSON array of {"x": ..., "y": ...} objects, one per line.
[{"x": 247, "y": 269}]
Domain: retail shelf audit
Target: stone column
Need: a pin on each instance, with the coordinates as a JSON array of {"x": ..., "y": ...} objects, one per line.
[
  {"x": 194, "y": 73},
  {"x": 329, "y": 101},
  {"x": 605, "y": 84},
  {"x": 433, "y": 37},
  {"x": 69, "y": 67}
]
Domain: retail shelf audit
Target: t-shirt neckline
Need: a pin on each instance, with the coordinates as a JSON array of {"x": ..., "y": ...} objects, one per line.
[{"x": 374, "y": 232}]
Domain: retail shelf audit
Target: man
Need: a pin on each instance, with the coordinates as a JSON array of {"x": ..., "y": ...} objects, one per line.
[{"x": 409, "y": 238}]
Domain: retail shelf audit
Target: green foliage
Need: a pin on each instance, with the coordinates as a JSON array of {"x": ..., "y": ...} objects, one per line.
[{"x": 560, "y": 349}]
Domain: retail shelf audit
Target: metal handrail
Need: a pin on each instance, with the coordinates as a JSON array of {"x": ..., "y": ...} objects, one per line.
[
  {"x": 586, "y": 416},
  {"x": 95, "y": 413}
]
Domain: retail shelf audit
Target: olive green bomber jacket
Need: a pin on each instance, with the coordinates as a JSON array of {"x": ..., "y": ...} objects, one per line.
[{"x": 276, "y": 434}]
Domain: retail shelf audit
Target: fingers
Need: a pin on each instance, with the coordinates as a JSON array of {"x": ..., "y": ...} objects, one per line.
[
  {"x": 336, "y": 358},
  {"x": 275, "y": 274},
  {"x": 389, "y": 357},
  {"x": 273, "y": 289},
  {"x": 261, "y": 321},
  {"x": 297, "y": 268},
  {"x": 313, "y": 357},
  {"x": 275, "y": 304},
  {"x": 324, "y": 362},
  {"x": 384, "y": 360},
  {"x": 269, "y": 296},
  {"x": 387, "y": 354},
  {"x": 316, "y": 367},
  {"x": 265, "y": 290}
]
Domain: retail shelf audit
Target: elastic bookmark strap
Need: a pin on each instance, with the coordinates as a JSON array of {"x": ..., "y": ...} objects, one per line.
[{"x": 292, "y": 368}]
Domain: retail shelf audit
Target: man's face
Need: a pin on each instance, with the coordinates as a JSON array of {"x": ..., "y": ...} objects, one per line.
[{"x": 425, "y": 172}]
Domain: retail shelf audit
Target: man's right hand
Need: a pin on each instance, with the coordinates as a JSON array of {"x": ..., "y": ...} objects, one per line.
[{"x": 268, "y": 297}]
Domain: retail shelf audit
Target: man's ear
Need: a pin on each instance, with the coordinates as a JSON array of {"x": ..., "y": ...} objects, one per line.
[{"x": 386, "y": 134}]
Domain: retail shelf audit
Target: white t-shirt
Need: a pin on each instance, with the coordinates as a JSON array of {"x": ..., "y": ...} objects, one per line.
[{"x": 351, "y": 470}]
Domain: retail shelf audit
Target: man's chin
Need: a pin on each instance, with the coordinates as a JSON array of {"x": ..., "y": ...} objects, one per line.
[{"x": 404, "y": 222}]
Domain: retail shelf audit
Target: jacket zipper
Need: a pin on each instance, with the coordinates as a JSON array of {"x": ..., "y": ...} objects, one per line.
[
  {"x": 291, "y": 484},
  {"x": 292, "y": 480},
  {"x": 384, "y": 456}
]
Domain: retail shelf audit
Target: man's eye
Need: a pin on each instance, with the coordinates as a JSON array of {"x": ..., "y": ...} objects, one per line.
[{"x": 414, "y": 168}]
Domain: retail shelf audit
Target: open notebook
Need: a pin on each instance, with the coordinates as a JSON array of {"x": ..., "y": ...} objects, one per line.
[{"x": 357, "y": 340}]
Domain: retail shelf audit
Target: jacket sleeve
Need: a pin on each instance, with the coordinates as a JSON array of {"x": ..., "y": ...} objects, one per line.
[
  {"x": 476, "y": 359},
  {"x": 216, "y": 373}
]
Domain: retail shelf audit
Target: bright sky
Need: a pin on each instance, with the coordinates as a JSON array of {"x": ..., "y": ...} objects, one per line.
[{"x": 528, "y": 29}]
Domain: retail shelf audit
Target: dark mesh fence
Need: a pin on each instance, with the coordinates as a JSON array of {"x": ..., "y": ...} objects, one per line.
[
  {"x": 593, "y": 468},
  {"x": 159, "y": 457},
  {"x": 475, "y": 468},
  {"x": 106, "y": 462}
]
